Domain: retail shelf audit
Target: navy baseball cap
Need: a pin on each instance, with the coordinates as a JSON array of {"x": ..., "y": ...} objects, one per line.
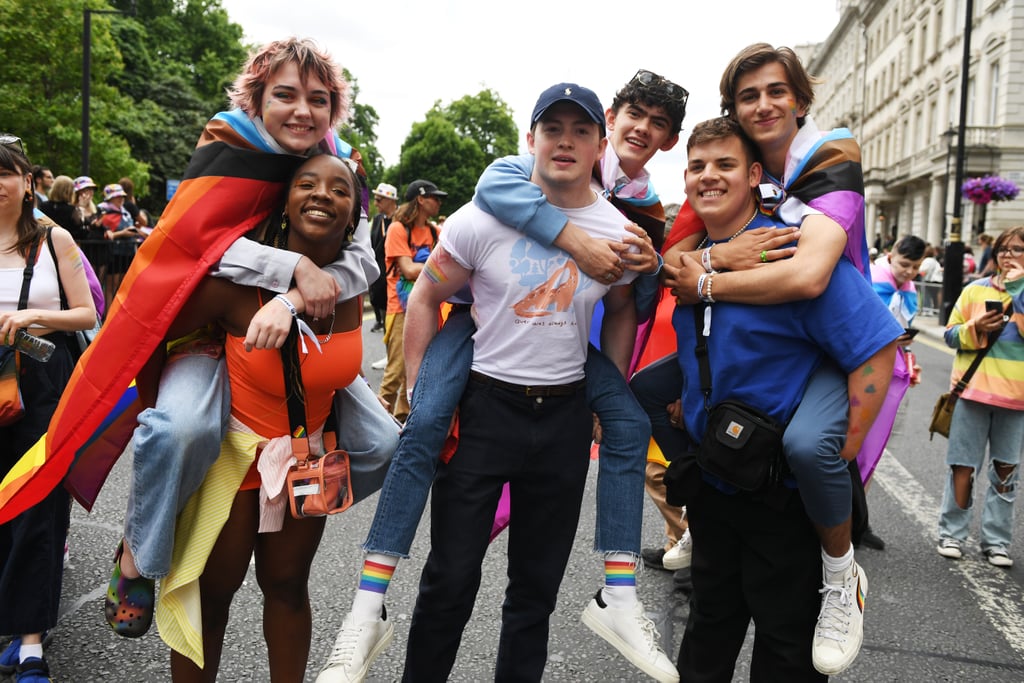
[{"x": 570, "y": 92}]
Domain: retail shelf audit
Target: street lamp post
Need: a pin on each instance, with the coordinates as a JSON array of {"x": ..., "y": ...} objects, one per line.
[
  {"x": 87, "y": 73},
  {"x": 953, "y": 268}
]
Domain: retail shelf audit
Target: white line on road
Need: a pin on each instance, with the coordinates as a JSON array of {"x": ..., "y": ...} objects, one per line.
[{"x": 998, "y": 597}]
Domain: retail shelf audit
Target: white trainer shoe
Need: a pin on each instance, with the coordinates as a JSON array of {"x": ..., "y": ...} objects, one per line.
[
  {"x": 379, "y": 364},
  {"x": 840, "y": 629},
  {"x": 679, "y": 556},
  {"x": 634, "y": 635},
  {"x": 355, "y": 648},
  {"x": 950, "y": 547}
]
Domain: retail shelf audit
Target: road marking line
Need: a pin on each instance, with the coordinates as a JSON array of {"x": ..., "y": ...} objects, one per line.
[{"x": 999, "y": 598}]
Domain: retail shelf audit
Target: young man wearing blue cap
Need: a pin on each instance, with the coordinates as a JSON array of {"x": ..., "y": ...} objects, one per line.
[
  {"x": 646, "y": 116},
  {"x": 523, "y": 417}
]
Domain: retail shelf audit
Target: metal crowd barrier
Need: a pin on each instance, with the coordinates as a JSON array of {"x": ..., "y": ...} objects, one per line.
[{"x": 929, "y": 297}]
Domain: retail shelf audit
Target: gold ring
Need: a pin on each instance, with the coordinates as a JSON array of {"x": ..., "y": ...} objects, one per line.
[{"x": 764, "y": 256}]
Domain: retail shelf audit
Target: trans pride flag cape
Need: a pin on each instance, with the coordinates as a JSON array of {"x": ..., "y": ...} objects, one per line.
[
  {"x": 824, "y": 172},
  {"x": 232, "y": 183}
]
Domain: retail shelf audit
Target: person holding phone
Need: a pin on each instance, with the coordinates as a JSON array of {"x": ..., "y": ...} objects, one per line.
[{"x": 991, "y": 409}]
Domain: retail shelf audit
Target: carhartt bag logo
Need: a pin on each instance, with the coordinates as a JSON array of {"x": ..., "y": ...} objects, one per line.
[{"x": 735, "y": 430}]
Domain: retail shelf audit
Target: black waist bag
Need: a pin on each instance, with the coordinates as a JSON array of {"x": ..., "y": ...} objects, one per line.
[{"x": 742, "y": 446}]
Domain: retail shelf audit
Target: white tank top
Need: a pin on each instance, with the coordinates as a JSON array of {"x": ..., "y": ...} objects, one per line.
[{"x": 43, "y": 292}]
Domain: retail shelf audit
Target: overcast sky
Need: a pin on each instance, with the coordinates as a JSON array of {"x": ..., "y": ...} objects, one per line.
[{"x": 406, "y": 55}]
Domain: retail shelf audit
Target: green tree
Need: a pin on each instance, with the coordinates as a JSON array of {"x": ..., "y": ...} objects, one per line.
[
  {"x": 486, "y": 119},
  {"x": 40, "y": 93},
  {"x": 359, "y": 132},
  {"x": 454, "y": 144},
  {"x": 180, "y": 58}
]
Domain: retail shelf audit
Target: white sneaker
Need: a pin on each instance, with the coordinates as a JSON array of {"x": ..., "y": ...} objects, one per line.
[
  {"x": 634, "y": 635},
  {"x": 380, "y": 364},
  {"x": 998, "y": 557},
  {"x": 950, "y": 547},
  {"x": 678, "y": 557},
  {"x": 355, "y": 648},
  {"x": 840, "y": 629}
]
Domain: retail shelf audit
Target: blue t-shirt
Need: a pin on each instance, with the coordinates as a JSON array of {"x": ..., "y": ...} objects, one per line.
[{"x": 764, "y": 355}]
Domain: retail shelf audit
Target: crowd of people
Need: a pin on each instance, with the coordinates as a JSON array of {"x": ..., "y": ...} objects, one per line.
[{"x": 736, "y": 360}]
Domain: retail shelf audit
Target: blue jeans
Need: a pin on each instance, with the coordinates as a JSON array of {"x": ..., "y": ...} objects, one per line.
[
  {"x": 175, "y": 443},
  {"x": 814, "y": 436},
  {"x": 178, "y": 440},
  {"x": 442, "y": 379},
  {"x": 812, "y": 441},
  {"x": 973, "y": 426}
]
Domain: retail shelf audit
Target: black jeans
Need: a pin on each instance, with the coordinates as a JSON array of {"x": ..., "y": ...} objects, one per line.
[
  {"x": 540, "y": 445},
  {"x": 753, "y": 558},
  {"x": 32, "y": 544}
]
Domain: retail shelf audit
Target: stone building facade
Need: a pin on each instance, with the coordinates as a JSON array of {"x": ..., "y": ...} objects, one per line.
[{"x": 891, "y": 72}]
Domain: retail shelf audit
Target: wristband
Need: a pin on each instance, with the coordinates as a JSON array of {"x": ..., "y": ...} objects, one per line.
[
  {"x": 287, "y": 304},
  {"x": 705, "y": 259},
  {"x": 700, "y": 286}
]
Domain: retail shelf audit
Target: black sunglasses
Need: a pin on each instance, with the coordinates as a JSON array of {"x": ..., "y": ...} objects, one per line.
[
  {"x": 12, "y": 142},
  {"x": 675, "y": 93}
]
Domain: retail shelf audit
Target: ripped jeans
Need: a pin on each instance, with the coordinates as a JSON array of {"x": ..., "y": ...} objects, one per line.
[{"x": 974, "y": 425}]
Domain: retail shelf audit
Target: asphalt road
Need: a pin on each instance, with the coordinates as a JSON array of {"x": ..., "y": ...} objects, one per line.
[{"x": 928, "y": 618}]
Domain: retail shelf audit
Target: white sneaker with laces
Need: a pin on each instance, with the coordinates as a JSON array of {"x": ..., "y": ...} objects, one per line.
[
  {"x": 840, "y": 629},
  {"x": 634, "y": 635},
  {"x": 998, "y": 557},
  {"x": 950, "y": 547},
  {"x": 355, "y": 648},
  {"x": 679, "y": 556},
  {"x": 379, "y": 364}
]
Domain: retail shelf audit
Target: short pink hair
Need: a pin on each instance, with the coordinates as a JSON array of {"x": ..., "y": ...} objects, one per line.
[{"x": 246, "y": 93}]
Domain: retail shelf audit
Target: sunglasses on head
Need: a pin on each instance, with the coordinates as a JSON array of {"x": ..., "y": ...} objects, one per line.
[
  {"x": 675, "y": 93},
  {"x": 12, "y": 142}
]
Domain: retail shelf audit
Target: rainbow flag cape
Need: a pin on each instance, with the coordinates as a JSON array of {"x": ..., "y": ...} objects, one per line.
[{"x": 230, "y": 185}]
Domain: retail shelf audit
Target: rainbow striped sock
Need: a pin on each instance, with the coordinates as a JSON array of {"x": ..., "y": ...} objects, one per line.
[
  {"x": 375, "y": 577},
  {"x": 619, "y": 573},
  {"x": 619, "y": 589},
  {"x": 373, "y": 583}
]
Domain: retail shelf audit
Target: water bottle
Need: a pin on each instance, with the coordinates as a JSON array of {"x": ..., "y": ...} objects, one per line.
[{"x": 34, "y": 347}]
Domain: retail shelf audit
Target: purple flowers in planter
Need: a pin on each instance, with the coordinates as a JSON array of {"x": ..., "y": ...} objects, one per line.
[{"x": 990, "y": 188}]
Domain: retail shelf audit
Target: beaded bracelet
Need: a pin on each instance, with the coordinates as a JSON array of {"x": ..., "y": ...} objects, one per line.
[
  {"x": 287, "y": 304},
  {"x": 709, "y": 298}
]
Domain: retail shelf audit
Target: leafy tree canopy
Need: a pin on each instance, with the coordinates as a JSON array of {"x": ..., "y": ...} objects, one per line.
[{"x": 455, "y": 143}]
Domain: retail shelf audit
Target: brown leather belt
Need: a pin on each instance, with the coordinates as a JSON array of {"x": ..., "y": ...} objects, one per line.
[{"x": 536, "y": 390}]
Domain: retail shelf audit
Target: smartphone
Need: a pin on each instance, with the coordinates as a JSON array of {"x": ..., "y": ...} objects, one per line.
[
  {"x": 993, "y": 305},
  {"x": 910, "y": 331}
]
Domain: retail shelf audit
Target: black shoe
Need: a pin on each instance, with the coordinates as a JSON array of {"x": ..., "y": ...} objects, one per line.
[
  {"x": 377, "y": 327},
  {"x": 682, "y": 581},
  {"x": 653, "y": 558},
  {"x": 869, "y": 539}
]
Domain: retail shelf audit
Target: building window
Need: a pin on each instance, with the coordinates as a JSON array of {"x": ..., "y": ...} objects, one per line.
[
  {"x": 993, "y": 98},
  {"x": 970, "y": 102}
]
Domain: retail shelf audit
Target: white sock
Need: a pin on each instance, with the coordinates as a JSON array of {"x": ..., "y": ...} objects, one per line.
[
  {"x": 835, "y": 567},
  {"x": 621, "y": 595},
  {"x": 373, "y": 583},
  {"x": 26, "y": 651}
]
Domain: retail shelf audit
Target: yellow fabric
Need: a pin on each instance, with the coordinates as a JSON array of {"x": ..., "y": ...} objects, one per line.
[
  {"x": 178, "y": 614},
  {"x": 655, "y": 455}
]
